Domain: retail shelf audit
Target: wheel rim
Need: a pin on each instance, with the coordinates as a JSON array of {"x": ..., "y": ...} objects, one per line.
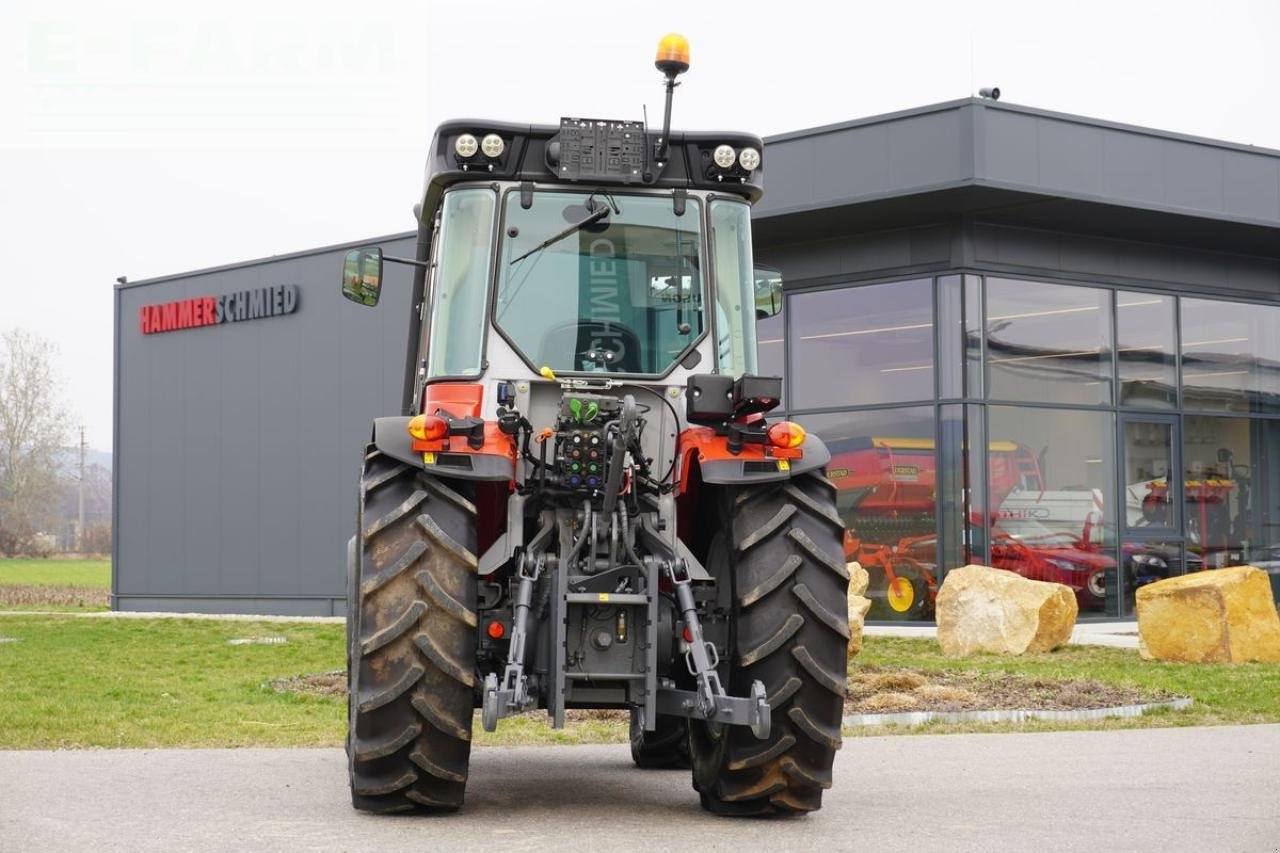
[{"x": 900, "y": 594}]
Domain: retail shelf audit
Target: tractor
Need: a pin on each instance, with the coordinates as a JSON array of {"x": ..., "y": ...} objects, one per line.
[{"x": 582, "y": 504}]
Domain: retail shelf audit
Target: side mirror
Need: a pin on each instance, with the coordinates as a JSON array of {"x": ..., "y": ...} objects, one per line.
[
  {"x": 768, "y": 292},
  {"x": 362, "y": 275}
]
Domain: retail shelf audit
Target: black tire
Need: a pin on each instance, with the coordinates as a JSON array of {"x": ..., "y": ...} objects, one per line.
[
  {"x": 780, "y": 546},
  {"x": 412, "y": 638},
  {"x": 666, "y": 747}
]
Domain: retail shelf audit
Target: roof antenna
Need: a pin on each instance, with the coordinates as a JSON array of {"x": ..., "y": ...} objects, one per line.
[
  {"x": 644, "y": 125},
  {"x": 672, "y": 60}
]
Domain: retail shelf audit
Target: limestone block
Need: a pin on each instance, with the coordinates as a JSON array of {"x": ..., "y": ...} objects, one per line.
[
  {"x": 858, "y": 607},
  {"x": 858, "y": 578},
  {"x": 1216, "y": 616},
  {"x": 981, "y": 609}
]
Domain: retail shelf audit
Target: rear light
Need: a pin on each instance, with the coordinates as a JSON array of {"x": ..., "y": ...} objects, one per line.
[
  {"x": 427, "y": 427},
  {"x": 786, "y": 434},
  {"x": 496, "y": 630},
  {"x": 688, "y": 635}
]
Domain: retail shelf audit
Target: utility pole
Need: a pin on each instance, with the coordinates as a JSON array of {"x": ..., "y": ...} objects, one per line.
[{"x": 80, "y": 526}]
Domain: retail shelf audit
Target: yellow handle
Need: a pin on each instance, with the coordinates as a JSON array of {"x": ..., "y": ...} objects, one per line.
[{"x": 547, "y": 373}]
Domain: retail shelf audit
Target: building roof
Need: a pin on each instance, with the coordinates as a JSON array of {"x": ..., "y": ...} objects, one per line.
[{"x": 1001, "y": 161}]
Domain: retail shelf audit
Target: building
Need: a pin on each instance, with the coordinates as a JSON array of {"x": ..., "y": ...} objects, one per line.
[{"x": 1013, "y": 326}]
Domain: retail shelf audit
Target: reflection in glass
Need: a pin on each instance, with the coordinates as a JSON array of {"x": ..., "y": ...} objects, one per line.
[
  {"x": 1230, "y": 356},
  {"x": 973, "y": 367},
  {"x": 952, "y": 497},
  {"x": 461, "y": 284},
  {"x": 736, "y": 309},
  {"x": 1148, "y": 461},
  {"x": 1048, "y": 342},
  {"x": 1231, "y": 493},
  {"x": 1145, "y": 350},
  {"x": 621, "y": 295},
  {"x": 884, "y": 465},
  {"x": 1050, "y": 514},
  {"x": 1147, "y": 561},
  {"x": 770, "y": 344},
  {"x": 951, "y": 339},
  {"x": 871, "y": 344}
]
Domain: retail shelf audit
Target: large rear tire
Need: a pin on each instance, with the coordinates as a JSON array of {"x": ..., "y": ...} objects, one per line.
[
  {"x": 666, "y": 747},
  {"x": 411, "y": 640},
  {"x": 779, "y": 546}
]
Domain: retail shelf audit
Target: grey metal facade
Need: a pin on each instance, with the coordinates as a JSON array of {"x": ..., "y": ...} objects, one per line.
[{"x": 237, "y": 445}]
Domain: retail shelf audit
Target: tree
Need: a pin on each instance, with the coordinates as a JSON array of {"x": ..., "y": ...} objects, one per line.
[{"x": 32, "y": 429}]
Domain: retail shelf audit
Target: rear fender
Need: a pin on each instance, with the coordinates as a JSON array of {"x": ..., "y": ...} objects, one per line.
[
  {"x": 391, "y": 436},
  {"x": 753, "y": 464}
]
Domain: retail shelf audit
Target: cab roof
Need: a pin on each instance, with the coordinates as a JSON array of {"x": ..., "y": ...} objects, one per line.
[{"x": 588, "y": 153}]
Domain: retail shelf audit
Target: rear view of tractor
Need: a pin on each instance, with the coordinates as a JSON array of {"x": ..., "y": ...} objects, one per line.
[{"x": 582, "y": 504}]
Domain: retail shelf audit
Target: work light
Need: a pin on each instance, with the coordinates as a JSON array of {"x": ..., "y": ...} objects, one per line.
[
  {"x": 466, "y": 146},
  {"x": 749, "y": 158},
  {"x": 492, "y": 145},
  {"x": 724, "y": 155}
]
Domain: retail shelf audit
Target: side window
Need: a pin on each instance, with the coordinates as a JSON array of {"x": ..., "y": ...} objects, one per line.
[
  {"x": 460, "y": 286},
  {"x": 735, "y": 320}
]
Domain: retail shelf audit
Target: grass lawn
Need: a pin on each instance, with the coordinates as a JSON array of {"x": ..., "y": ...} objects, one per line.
[
  {"x": 1223, "y": 693},
  {"x": 70, "y": 585},
  {"x": 101, "y": 682},
  {"x": 95, "y": 574},
  {"x": 73, "y": 682}
]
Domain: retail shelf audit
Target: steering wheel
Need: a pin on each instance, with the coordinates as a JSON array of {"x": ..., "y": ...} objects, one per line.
[{"x": 595, "y": 344}]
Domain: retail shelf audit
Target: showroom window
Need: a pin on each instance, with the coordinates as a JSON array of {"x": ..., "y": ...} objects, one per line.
[
  {"x": 1050, "y": 505},
  {"x": 771, "y": 344},
  {"x": 1011, "y": 448},
  {"x": 884, "y": 464},
  {"x": 1230, "y": 505},
  {"x": 1230, "y": 356},
  {"x": 862, "y": 345},
  {"x": 1146, "y": 350},
  {"x": 1048, "y": 342}
]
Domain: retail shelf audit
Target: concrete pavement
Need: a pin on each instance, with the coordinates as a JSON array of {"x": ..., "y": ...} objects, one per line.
[{"x": 1157, "y": 789}]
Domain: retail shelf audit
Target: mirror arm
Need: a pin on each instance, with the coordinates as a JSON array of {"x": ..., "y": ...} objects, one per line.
[{"x": 423, "y": 264}]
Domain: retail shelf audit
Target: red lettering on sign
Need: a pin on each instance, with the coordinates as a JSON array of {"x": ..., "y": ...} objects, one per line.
[{"x": 203, "y": 310}]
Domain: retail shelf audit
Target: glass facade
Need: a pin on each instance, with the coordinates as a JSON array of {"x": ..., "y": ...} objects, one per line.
[{"x": 1098, "y": 437}]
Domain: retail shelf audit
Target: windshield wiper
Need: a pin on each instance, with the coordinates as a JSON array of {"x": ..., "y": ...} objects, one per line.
[{"x": 591, "y": 219}]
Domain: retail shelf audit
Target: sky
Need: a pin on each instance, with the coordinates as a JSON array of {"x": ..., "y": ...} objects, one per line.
[{"x": 140, "y": 139}]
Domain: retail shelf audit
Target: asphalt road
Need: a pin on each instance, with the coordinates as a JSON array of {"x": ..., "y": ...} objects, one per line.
[{"x": 1158, "y": 789}]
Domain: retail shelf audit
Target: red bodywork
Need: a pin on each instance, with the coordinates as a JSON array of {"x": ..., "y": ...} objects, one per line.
[{"x": 456, "y": 400}]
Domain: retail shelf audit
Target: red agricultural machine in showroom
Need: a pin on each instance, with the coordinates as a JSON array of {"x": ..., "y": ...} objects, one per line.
[{"x": 887, "y": 498}]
